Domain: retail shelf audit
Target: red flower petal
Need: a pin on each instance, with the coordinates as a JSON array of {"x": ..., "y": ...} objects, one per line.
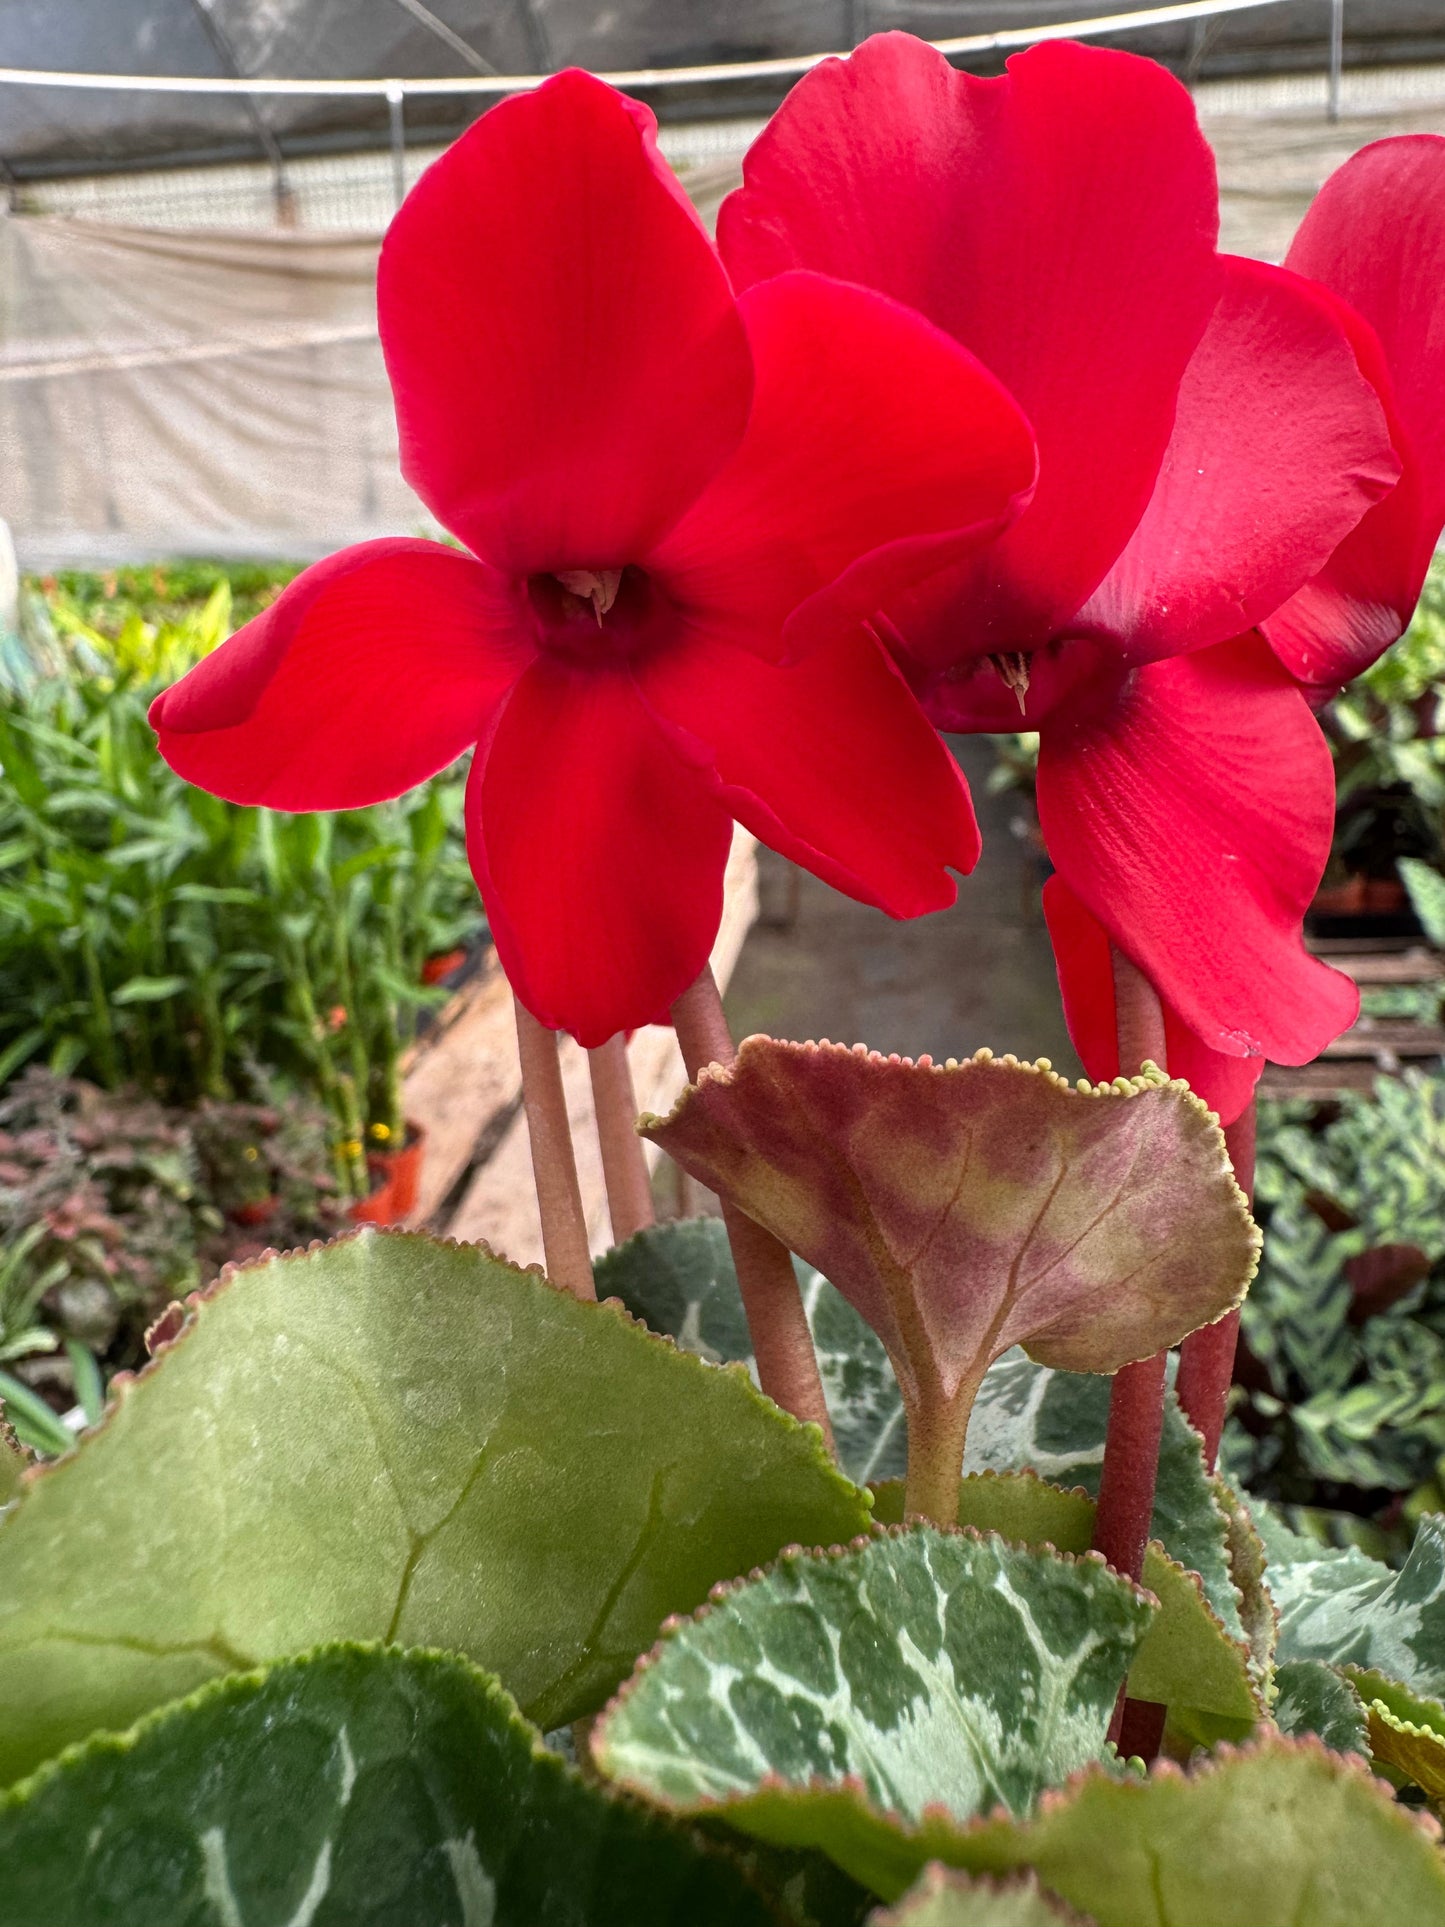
[
  {"x": 567, "y": 358},
  {"x": 598, "y": 850},
  {"x": 1280, "y": 445},
  {"x": 1060, "y": 222},
  {"x": 830, "y": 761},
  {"x": 1193, "y": 816},
  {"x": 1082, "y": 953},
  {"x": 368, "y": 674},
  {"x": 1376, "y": 236},
  {"x": 876, "y": 446}
]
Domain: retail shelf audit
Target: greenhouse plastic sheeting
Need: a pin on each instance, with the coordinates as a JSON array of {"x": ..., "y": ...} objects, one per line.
[
  {"x": 48, "y": 131},
  {"x": 169, "y": 392}
]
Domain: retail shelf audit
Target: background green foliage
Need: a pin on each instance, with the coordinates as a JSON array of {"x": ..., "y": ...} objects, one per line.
[{"x": 150, "y": 934}]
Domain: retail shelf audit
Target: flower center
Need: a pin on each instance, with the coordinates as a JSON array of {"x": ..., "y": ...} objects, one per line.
[
  {"x": 1013, "y": 669},
  {"x": 593, "y": 616}
]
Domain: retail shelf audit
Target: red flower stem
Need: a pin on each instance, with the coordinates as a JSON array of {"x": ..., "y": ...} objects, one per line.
[
  {"x": 624, "y": 1168},
  {"x": 1206, "y": 1358},
  {"x": 782, "y": 1342},
  {"x": 1136, "y": 1406},
  {"x": 554, "y": 1169}
]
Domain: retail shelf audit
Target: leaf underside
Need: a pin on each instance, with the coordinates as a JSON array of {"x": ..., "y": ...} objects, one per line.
[{"x": 390, "y": 1438}]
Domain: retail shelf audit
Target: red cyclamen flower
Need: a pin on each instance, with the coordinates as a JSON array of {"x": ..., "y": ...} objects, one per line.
[
  {"x": 652, "y": 478},
  {"x": 1375, "y": 236},
  {"x": 1206, "y": 440}
]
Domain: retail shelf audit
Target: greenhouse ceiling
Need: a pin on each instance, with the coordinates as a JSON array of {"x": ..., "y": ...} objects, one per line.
[{"x": 49, "y": 131}]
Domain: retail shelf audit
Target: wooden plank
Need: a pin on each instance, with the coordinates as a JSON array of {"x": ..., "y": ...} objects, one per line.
[
  {"x": 1413, "y": 966},
  {"x": 1383, "y": 1037},
  {"x": 460, "y": 1080},
  {"x": 499, "y": 1207}
]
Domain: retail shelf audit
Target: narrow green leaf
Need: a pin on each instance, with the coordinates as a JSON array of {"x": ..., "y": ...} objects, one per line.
[
  {"x": 89, "y": 1385},
  {"x": 148, "y": 990},
  {"x": 392, "y": 1438},
  {"x": 354, "y": 1787},
  {"x": 1280, "y": 1834},
  {"x": 1314, "y": 1698},
  {"x": 679, "y": 1279},
  {"x": 34, "y": 1422},
  {"x": 872, "y": 1701}
]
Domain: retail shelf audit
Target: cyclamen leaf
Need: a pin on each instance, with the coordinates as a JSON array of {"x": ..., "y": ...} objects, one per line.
[
  {"x": 1028, "y": 1417},
  {"x": 1407, "y": 1731},
  {"x": 1338, "y": 1605},
  {"x": 945, "y": 1899},
  {"x": 679, "y": 1279},
  {"x": 1186, "y": 1658},
  {"x": 1279, "y": 1834},
  {"x": 353, "y": 1787},
  {"x": 1314, "y": 1698},
  {"x": 965, "y": 1208},
  {"x": 870, "y": 1702},
  {"x": 392, "y": 1438}
]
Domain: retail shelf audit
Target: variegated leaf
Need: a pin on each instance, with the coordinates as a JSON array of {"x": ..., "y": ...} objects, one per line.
[
  {"x": 1187, "y": 1659},
  {"x": 869, "y": 1701},
  {"x": 1339, "y": 1605},
  {"x": 1053, "y": 1423},
  {"x": 965, "y": 1208},
  {"x": 679, "y": 1280},
  {"x": 1311, "y": 1697},
  {"x": 353, "y": 1787}
]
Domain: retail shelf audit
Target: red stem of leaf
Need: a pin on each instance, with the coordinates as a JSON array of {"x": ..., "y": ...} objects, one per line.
[
  {"x": 1136, "y": 1406},
  {"x": 1206, "y": 1358},
  {"x": 782, "y": 1342},
  {"x": 624, "y": 1167},
  {"x": 554, "y": 1168}
]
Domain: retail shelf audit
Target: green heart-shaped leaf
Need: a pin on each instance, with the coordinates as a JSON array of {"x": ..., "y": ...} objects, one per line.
[
  {"x": 1313, "y": 1698},
  {"x": 1186, "y": 1658},
  {"x": 352, "y": 1787},
  {"x": 965, "y": 1208},
  {"x": 679, "y": 1279},
  {"x": 1279, "y": 1834},
  {"x": 391, "y": 1438},
  {"x": 870, "y": 1702}
]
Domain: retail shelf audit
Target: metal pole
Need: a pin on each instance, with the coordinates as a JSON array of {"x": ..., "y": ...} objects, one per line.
[
  {"x": 396, "y": 109},
  {"x": 1337, "y": 54}
]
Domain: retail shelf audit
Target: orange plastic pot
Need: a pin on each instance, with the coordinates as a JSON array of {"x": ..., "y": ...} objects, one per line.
[{"x": 398, "y": 1176}]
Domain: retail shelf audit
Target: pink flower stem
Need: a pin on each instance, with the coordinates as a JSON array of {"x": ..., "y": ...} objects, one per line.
[
  {"x": 1136, "y": 1406},
  {"x": 782, "y": 1343},
  {"x": 624, "y": 1168},
  {"x": 1206, "y": 1358},
  {"x": 554, "y": 1169}
]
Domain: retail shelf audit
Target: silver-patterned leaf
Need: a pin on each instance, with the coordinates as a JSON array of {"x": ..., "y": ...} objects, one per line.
[
  {"x": 1337, "y": 1604},
  {"x": 1314, "y": 1698},
  {"x": 679, "y": 1280},
  {"x": 868, "y": 1701},
  {"x": 1054, "y": 1422},
  {"x": 353, "y": 1787}
]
